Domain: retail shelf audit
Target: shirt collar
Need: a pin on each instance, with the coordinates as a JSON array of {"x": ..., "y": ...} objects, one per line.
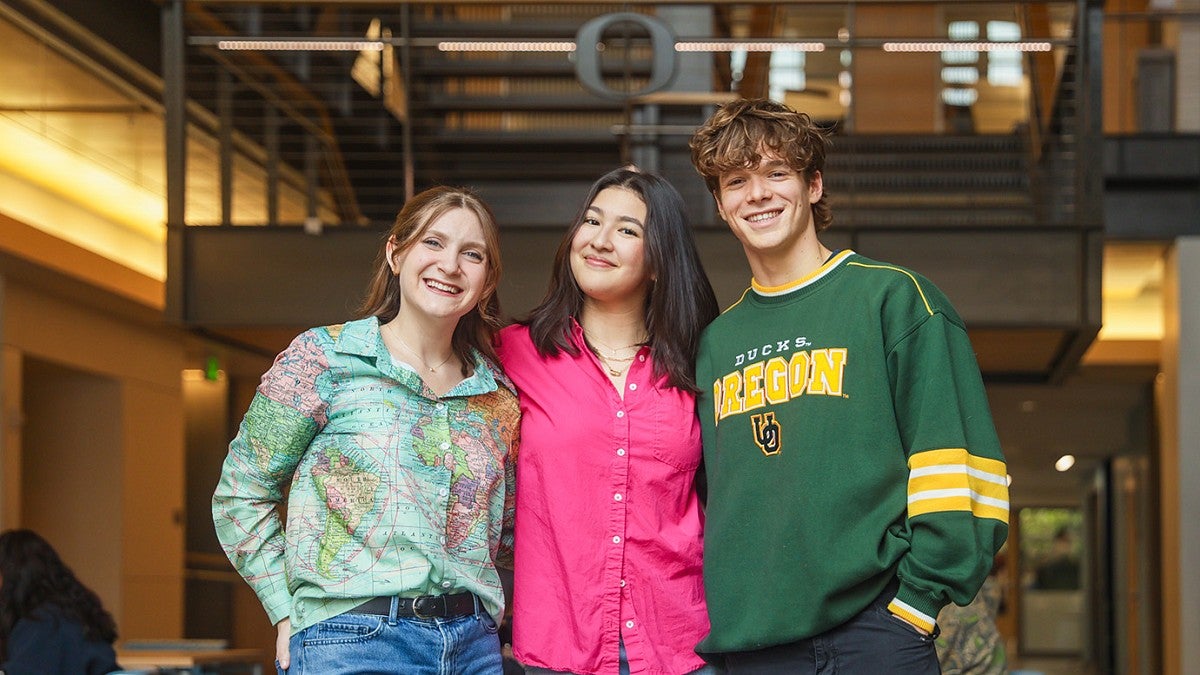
[
  {"x": 363, "y": 338},
  {"x": 576, "y": 334}
]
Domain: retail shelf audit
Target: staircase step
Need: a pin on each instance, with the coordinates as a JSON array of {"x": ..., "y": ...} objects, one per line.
[
  {"x": 935, "y": 200},
  {"x": 916, "y": 217},
  {"x": 927, "y": 180},
  {"x": 959, "y": 161}
]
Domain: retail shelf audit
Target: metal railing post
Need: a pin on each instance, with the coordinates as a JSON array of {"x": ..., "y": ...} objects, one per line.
[{"x": 175, "y": 125}]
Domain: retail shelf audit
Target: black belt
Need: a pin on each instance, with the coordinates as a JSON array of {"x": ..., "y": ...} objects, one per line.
[{"x": 422, "y": 607}]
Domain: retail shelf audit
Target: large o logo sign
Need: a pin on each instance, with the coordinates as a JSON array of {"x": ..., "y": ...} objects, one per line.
[{"x": 588, "y": 62}]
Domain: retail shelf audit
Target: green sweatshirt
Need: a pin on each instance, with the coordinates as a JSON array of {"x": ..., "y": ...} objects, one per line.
[{"x": 847, "y": 441}]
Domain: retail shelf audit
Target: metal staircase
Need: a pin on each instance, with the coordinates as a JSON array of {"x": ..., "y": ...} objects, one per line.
[
  {"x": 930, "y": 181},
  {"x": 350, "y": 134}
]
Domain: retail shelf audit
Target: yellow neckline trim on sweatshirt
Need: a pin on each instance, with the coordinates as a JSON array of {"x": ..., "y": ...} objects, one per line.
[{"x": 813, "y": 276}]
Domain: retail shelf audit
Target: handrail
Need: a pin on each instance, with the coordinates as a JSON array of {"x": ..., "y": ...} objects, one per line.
[
  {"x": 1035, "y": 105},
  {"x": 322, "y": 128}
]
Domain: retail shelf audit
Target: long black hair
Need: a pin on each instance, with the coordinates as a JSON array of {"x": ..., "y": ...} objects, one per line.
[
  {"x": 680, "y": 301},
  {"x": 33, "y": 577}
]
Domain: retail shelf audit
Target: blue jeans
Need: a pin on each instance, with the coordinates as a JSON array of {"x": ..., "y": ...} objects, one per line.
[{"x": 369, "y": 644}]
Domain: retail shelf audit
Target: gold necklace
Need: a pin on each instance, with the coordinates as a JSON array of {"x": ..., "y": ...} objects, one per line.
[
  {"x": 615, "y": 372},
  {"x": 613, "y": 351},
  {"x": 432, "y": 369},
  {"x": 608, "y": 360}
]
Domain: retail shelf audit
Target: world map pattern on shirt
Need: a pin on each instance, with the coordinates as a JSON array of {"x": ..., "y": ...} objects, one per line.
[
  {"x": 390, "y": 488},
  {"x": 349, "y": 494}
]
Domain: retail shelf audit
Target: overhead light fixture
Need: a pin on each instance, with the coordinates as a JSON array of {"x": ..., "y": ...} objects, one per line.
[
  {"x": 512, "y": 46},
  {"x": 967, "y": 46},
  {"x": 1064, "y": 463},
  {"x": 359, "y": 45},
  {"x": 682, "y": 46},
  {"x": 355, "y": 45},
  {"x": 749, "y": 46},
  {"x": 564, "y": 46}
]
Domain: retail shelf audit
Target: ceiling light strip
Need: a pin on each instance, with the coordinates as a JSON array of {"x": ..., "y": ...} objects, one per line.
[
  {"x": 950, "y": 46},
  {"x": 567, "y": 46},
  {"x": 750, "y": 46},
  {"x": 301, "y": 45},
  {"x": 511, "y": 46}
]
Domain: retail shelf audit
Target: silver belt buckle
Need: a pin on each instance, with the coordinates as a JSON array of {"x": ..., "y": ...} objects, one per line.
[{"x": 416, "y": 612}]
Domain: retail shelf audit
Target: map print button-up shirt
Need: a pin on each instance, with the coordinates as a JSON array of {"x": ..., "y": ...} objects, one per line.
[{"x": 393, "y": 490}]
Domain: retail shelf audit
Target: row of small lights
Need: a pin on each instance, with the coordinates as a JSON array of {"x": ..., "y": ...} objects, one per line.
[
  {"x": 966, "y": 46},
  {"x": 565, "y": 46}
]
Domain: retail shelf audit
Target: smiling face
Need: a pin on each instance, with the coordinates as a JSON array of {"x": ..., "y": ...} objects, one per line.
[
  {"x": 444, "y": 272},
  {"x": 608, "y": 251},
  {"x": 769, "y": 207}
]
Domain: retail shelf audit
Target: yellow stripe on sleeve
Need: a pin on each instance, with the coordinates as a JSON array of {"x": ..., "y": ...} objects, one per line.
[{"x": 952, "y": 479}]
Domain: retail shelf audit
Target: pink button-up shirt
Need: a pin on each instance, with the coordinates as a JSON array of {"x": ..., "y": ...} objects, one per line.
[{"x": 609, "y": 526}]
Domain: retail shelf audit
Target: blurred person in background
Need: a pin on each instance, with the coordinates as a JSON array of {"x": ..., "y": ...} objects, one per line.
[
  {"x": 970, "y": 642},
  {"x": 50, "y": 623}
]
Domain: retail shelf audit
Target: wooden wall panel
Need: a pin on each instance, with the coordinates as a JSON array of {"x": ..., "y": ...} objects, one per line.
[{"x": 897, "y": 93}]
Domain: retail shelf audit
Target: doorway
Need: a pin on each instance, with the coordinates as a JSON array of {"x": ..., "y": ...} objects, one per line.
[{"x": 71, "y": 470}]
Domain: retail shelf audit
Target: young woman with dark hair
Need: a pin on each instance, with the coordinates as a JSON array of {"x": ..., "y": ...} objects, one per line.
[
  {"x": 393, "y": 438},
  {"x": 50, "y": 623},
  {"x": 677, "y": 300},
  {"x": 609, "y": 522}
]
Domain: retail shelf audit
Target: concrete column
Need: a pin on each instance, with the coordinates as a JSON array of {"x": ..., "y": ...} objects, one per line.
[
  {"x": 1187, "y": 72},
  {"x": 897, "y": 92},
  {"x": 1179, "y": 397}
]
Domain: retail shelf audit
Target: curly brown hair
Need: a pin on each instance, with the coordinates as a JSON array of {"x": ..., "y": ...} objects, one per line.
[{"x": 739, "y": 133}]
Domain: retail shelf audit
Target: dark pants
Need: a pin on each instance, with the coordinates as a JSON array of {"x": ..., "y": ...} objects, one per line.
[{"x": 873, "y": 642}]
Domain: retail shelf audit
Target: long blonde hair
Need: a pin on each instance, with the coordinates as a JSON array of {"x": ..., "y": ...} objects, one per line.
[{"x": 476, "y": 328}]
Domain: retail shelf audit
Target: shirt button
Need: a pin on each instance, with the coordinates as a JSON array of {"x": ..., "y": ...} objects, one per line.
[
  {"x": 617, "y": 496},
  {"x": 443, "y": 492},
  {"x": 620, "y": 452},
  {"x": 440, "y": 407},
  {"x": 620, "y": 413},
  {"x": 444, "y": 446},
  {"x": 622, "y": 583},
  {"x": 616, "y": 540},
  {"x": 629, "y": 624},
  {"x": 642, "y": 357},
  {"x": 445, "y": 584},
  {"x": 633, "y": 387}
]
